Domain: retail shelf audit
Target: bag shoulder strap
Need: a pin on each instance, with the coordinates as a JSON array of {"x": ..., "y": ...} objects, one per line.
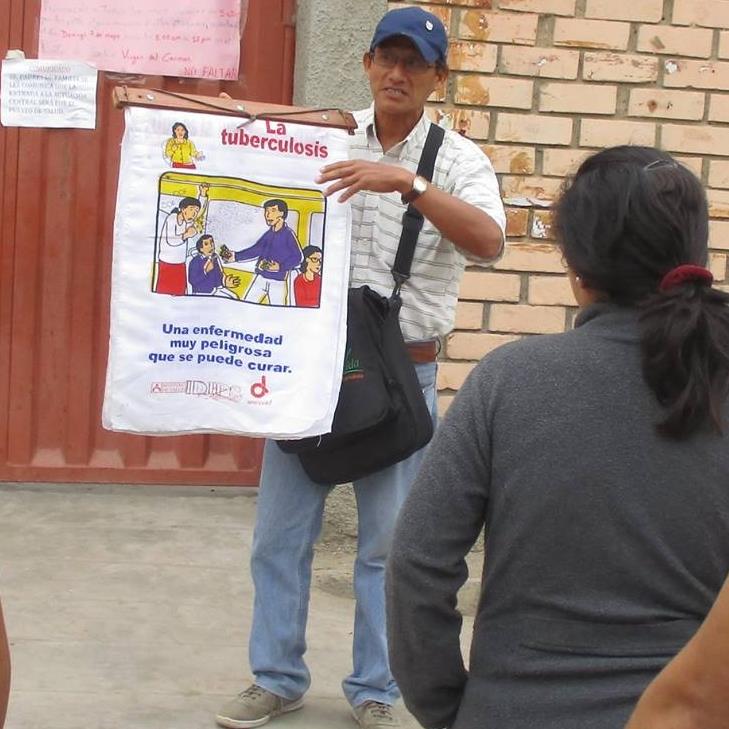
[
  {"x": 433, "y": 142},
  {"x": 412, "y": 219}
]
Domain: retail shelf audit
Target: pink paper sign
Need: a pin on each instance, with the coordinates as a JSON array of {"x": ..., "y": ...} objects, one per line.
[{"x": 157, "y": 37}]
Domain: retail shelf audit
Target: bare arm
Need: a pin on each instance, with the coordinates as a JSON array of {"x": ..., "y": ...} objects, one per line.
[
  {"x": 4, "y": 670},
  {"x": 200, "y": 218},
  {"x": 468, "y": 227},
  {"x": 692, "y": 691},
  {"x": 471, "y": 229}
]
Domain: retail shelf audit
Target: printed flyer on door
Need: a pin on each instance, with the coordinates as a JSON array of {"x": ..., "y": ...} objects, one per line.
[{"x": 229, "y": 281}]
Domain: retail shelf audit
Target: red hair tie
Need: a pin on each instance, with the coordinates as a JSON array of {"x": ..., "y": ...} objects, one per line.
[{"x": 685, "y": 273}]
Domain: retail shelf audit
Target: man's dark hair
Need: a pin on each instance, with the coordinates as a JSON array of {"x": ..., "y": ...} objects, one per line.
[
  {"x": 629, "y": 216},
  {"x": 201, "y": 240},
  {"x": 280, "y": 204}
]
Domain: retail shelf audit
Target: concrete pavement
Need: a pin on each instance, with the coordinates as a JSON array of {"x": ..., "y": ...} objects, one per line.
[{"x": 129, "y": 606}]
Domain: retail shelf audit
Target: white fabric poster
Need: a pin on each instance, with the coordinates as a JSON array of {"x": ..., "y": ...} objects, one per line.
[{"x": 229, "y": 281}]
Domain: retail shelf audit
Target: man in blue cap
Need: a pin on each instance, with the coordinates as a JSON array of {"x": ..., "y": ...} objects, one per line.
[{"x": 464, "y": 220}]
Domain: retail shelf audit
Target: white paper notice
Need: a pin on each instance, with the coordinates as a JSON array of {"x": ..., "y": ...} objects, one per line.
[{"x": 37, "y": 93}]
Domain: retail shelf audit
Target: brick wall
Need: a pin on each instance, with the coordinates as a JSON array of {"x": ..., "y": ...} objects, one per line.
[{"x": 540, "y": 84}]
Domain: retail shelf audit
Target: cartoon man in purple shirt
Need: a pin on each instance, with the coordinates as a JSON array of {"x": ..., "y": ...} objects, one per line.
[
  {"x": 205, "y": 272},
  {"x": 278, "y": 252}
]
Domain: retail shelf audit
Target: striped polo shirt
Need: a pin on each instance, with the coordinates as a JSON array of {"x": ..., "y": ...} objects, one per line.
[{"x": 430, "y": 295}]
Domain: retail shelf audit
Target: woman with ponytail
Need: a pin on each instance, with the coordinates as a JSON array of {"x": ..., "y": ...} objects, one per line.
[
  {"x": 644, "y": 246},
  {"x": 597, "y": 462}
]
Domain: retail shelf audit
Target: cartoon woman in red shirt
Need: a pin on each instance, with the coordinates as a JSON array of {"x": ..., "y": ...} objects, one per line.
[{"x": 307, "y": 285}]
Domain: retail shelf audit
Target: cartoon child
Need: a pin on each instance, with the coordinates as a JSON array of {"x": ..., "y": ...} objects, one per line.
[
  {"x": 307, "y": 285},
  {"x": 205, "y": 271},
  {"x": 278, "y": 252},
  {"x": 184, "y": 222},
  {"x": 180, "y": 149}
]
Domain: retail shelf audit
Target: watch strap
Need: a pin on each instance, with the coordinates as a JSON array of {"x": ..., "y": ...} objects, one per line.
[{"x": 414, "y": 193}]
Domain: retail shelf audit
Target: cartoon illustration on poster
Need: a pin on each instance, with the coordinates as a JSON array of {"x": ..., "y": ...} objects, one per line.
[
  {"x": 222, "y": 236},
  {"x": 180, "y": 150},
  {"x": 230, "y": 271}
]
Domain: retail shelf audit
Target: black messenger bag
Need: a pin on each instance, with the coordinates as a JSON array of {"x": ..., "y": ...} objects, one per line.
[{"x": 381, "y": 416}]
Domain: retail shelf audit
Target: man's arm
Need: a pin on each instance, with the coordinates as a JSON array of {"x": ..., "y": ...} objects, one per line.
[
  {"x": 468, "y": 227},
  {"x": 252, "y": 251},
  {"x": 196, "y": 273},
  {"x": 692, "y": 691}
]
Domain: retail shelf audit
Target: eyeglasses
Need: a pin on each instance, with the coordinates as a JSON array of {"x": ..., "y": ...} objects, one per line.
[{"x": 389, "y": 59}]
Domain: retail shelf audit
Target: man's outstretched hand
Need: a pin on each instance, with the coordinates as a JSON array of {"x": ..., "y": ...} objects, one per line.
[{"x": 353, "y": 176}]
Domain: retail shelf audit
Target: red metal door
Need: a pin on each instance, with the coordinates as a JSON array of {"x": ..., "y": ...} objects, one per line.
[{"x": 56, "y": 215}]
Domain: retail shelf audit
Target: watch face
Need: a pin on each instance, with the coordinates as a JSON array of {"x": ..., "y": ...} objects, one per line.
[{"x": 420, "y": 185}]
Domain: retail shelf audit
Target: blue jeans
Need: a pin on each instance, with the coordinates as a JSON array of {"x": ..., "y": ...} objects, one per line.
[{"x": 288, "y": 522}]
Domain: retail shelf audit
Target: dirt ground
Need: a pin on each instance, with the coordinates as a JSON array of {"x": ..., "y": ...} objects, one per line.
[{"x": 337, "y": 547}]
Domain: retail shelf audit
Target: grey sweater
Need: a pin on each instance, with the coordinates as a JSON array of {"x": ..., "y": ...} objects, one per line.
[{"x": 605, "y": 543}]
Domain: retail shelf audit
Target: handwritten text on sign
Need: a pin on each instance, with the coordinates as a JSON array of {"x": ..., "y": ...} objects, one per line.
[{"x": 184, "y": 38}]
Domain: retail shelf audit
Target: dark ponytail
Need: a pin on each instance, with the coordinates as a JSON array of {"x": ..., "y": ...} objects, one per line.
[
  {"x": 628, "y": 217},
  {"x": 685, "y": 346}
]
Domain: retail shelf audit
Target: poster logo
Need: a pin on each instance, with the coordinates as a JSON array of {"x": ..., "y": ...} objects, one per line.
[
  {"x": 259, "y": 389},
  {"x": 198, "y": 388}
]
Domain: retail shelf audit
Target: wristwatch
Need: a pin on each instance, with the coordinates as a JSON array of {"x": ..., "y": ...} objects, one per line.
[{"x": 420, "y": 185}]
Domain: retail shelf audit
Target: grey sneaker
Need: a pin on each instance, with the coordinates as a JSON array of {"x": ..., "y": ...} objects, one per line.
[
  {"x": 374, "y": 715},
  {"x": 254, "y": 707}
]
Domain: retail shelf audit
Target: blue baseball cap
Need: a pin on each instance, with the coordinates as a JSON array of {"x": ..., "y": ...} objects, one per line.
[{"x": 424, "y": 29}]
